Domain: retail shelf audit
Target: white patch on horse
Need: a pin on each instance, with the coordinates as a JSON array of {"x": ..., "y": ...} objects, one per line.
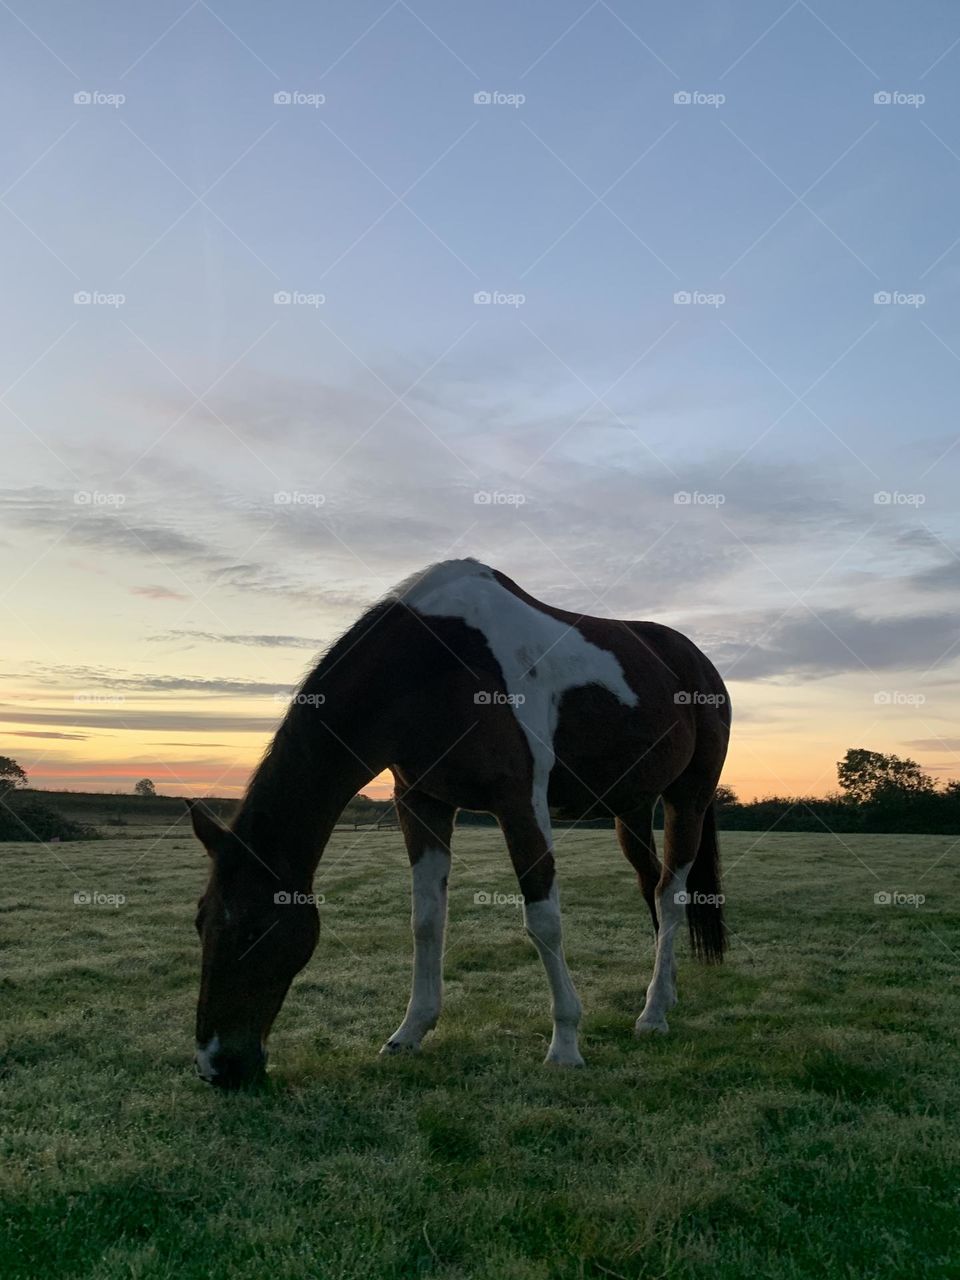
[
  {"x": 429, "y": 917},
  {"x": 205, "y": 1055},
  {"x": 540, "y": 657},
  {"x": 662, "y": 991},
  {"x": 542, "y": 922}
]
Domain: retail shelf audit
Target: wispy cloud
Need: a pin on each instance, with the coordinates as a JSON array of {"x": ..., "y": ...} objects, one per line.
[{"x": 254, "y": 641}]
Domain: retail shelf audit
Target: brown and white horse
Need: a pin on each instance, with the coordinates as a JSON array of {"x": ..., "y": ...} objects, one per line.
[{"x": 474, "y": 695}]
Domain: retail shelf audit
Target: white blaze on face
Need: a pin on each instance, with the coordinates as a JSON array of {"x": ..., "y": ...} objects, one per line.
[
  {"x": 205, "y": 1056},
  {"x": 540, "y": 656}
]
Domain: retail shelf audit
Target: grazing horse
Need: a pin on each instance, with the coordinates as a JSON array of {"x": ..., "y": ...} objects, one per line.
[{"x": 474, "y": 695}]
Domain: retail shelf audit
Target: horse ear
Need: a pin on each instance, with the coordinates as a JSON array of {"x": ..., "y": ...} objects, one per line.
[{"x": 206, "y": 828}]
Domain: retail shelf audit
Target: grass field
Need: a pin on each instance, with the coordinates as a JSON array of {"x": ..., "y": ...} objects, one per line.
[{"x": 801, "y": 1119}]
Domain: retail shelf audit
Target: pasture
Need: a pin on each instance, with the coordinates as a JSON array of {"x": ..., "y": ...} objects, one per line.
[{"x": 800, "y": 1120}]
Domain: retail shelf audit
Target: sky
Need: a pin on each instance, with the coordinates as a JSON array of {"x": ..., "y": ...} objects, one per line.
[{"x": 653, "y": 308}]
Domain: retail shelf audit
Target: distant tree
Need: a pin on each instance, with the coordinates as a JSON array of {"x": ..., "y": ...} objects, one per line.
[
  {"x": 867, "y": 776},
  {"x": 145, "y": 788},
  {"x": 11, "y": 775},
  {"x": 725, "y": 797}
]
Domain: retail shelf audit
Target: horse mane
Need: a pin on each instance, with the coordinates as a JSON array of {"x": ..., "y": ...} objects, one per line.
[{"x": 288, "y": 750}]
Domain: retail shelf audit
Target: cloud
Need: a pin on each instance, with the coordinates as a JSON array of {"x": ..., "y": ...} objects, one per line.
[
  {"x": 86, "y": 678},
  {"x": 158, "y": 593},
  {"x": 39, "y": 733},
  {"x": 124, "y": 717},
  {"x": 255, "y": 641},
  {"x": 832, "y": 641}
]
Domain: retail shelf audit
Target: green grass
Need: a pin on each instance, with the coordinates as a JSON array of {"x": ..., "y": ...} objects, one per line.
[{"x": 800, "y": 1120}]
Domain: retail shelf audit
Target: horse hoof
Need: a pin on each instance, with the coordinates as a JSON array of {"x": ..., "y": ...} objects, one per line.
[
  {"x": 393, "y": 1049},
  {"x": 551, "y": 1061},
  {"x": 646, "y": 1025}
]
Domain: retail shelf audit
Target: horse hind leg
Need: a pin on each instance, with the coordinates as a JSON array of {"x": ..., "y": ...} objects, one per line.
[
  {"x": 682, "y": 832},
  {"x": 635, "y": 834}
]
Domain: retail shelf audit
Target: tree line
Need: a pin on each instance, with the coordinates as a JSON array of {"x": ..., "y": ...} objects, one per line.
[{"x": 876, "y": 793}]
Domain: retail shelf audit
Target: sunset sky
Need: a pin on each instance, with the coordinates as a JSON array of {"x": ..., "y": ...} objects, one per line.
[{"x": 202, "y": 485}]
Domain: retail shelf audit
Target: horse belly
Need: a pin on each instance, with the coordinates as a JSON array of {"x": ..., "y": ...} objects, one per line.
[{"x": 611, "y": 758}]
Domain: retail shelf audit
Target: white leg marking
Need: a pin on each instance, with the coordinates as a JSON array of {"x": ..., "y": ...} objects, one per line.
[
  {"x": 662, "y": 991},
  {"x": 542, "y": 922},
  {"x": 429, "y": 919},
  {"x": 205, "y": 1055}
]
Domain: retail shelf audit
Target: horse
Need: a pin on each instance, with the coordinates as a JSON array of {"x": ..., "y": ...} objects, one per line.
[{"x": 474, "y": 695}]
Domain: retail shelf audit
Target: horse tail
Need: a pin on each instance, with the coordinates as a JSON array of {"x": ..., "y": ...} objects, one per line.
[{"x": 705, "y": 901}]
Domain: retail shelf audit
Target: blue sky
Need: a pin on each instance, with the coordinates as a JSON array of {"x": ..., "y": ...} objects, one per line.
[{"x": 783, "y": 198}]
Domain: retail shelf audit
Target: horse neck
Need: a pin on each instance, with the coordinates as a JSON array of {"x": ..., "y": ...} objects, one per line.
[{"x": 308, "y": 776}]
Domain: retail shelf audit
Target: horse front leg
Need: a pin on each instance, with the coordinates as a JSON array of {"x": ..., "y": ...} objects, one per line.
[
  {"x": 427, "y": 826},
  {"x": 529, "y": 840}
]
